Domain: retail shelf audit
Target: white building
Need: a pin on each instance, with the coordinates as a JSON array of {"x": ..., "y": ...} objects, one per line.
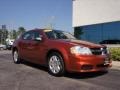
[{"x": 99, "y": 19}]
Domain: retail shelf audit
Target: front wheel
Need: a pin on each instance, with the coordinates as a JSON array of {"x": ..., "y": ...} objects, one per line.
[
  {"x": 16, "y": 58},
  {"x": 55, "y": 64}
]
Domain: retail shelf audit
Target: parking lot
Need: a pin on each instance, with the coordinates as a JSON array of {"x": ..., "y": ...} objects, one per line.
[{"x": 29, "y": 76}]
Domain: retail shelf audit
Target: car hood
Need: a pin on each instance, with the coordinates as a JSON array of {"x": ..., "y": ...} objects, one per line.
[{"x": 82, "y": 43}]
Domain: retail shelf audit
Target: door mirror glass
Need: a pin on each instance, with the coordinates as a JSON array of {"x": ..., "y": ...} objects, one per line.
[{"x": 38, "y": 39}]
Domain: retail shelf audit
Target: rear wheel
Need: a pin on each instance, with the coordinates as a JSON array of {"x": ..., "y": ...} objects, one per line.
[
  {"x": 55, "y": 64},
  {"x": 16, "y": 58}
]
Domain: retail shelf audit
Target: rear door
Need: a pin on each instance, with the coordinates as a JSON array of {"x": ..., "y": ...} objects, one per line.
[
  {"x": 24, "y": 45},
  {"x": 35, "y": 47},
  {"x": 31, "y": 49}
]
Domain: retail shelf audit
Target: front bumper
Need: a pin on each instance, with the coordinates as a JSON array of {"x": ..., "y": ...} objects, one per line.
[{"x": 89, "y": 63}]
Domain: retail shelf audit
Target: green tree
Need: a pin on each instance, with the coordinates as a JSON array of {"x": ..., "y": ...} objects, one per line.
[
  {"x": 13, "y": 34},
  {"x": 3, "y": 35},
  {"x": 78, "y": 32},
  {"x": 20, "y": 30},
  {"x": 0, "y": 36}
]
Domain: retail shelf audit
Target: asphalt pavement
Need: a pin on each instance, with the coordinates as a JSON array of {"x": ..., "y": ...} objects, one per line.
[{"x": 29, "y": 76}]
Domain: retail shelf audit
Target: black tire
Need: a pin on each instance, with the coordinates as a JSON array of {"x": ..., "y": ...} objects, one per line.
[
  {"x": 16, "y": 57},
  {"x": 58, "y": 68}
]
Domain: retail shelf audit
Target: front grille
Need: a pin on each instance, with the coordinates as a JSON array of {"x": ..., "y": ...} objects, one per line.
[{"x": 98, "y": 51}]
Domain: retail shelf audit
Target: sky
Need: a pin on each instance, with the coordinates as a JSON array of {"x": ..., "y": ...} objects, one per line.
[{"x": 36, "y": 14}]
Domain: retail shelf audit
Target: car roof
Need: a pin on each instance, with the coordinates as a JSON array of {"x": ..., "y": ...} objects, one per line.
[{"x": 44, "y": 30}]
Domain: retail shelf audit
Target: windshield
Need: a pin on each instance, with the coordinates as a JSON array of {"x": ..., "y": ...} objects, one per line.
[{"x": 54, "y": 34}]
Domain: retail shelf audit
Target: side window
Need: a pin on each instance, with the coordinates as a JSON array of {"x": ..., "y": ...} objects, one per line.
[
  {"x": 31, "y": 35},
  {"x": 50, "y": 35},
  {"x": 36, "y": 35},
  {"x": 27, "y": 36}
]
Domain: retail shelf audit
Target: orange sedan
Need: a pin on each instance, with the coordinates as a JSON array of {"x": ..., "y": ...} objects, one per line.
[{"x": 60, "y": 52}]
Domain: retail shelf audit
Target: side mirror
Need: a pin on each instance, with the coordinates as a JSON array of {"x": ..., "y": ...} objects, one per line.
[{"x": 38, "y": 39}]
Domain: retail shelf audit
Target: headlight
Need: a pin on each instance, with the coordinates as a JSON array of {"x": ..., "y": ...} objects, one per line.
[{"x": 80, "y": 50}]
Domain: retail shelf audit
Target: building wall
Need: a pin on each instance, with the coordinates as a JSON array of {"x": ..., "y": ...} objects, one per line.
[
  {"x": 88, "y": 12},
  {"x": 99, "y": 19}
]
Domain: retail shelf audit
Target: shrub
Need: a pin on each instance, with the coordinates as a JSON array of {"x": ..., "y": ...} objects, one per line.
[{"x": 115, "y": 53}]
